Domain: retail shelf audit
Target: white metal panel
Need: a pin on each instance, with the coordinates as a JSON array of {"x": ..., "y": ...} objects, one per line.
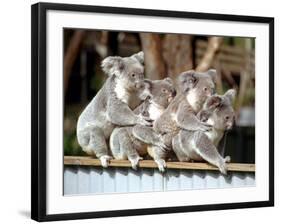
[
  {"x": 198, "y": 179},
  {"x": 146, "y": 179},
  {"x": 83, "y": 180},
  {"x": 186, "y": 182},
  {"x": 121, "y": 180},
  {"x": 108, "y": 180},
  {"x": 212, "y": 179},
  {"x": 172, "y": 180},
  {"x": 158, "y": 182},
  {"x": 250, "y": 179},
  {"x": 134, "y": 180},
  {"x": 70, "y": 181},
  {"x": 97, "y": 180}
]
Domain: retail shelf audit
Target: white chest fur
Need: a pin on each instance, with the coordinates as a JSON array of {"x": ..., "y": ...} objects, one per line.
[
  {"x": 214, "y": 136},
  {"x": 192, "y": 99},
  {"x": 121, "y": 92},
  {"x": 130, "y": 98},
  {"x": 155, "y": 111}
]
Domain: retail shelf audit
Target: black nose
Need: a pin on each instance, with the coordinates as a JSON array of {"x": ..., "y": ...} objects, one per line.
[{"x": 174, "y": 93}]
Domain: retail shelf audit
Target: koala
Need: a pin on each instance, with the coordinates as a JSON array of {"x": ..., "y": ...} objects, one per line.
[
  {"x": 202, "y": 145},
  {"x": 113, "y": 105},
  {"x": 123, "y": 144},
  {"x": 193, "y": 90}
]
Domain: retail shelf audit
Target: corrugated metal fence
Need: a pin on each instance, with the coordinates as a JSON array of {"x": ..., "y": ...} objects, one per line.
[{"x": 97, "y": 180}]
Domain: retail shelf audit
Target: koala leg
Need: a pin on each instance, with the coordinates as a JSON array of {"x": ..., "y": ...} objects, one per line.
[
  {"x": 159, "y": 156},
  {"x": 178, "y": 149},
  {"x": 114, "y": 144},
  {"x": 97, "y": 145},
  {"x": 122, "y": 147},
  {"x": 206, "y": 149},
  {"x": 148, "y": 135}
]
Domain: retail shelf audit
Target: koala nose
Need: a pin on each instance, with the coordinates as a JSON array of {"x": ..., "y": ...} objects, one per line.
[
  {"x": 207, "y": 91},
  {"x": 139, "y": 84},
  {"x": 174, "y": 93},
  {"x": 229, "y": 125}
]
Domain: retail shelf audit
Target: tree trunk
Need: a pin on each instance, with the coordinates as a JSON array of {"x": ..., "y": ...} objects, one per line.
[
  {"x": 177, "y": 53},
  {"x": 154, "y": 63},
  {"x": 71, "y": 54},
  {"x": 214, "y": 44}
]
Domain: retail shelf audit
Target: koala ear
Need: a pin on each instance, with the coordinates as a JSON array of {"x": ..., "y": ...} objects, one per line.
[
  {"x": 148, "y": 84},
  {"x": 230, "y": 94},
  {"x": 213, "y": 102},
  {"x": 139, "y": 56},
  {"x": 187, "y": 80},
  {"x": 213, "y": 74},
  {"x": 203, "y": 115},
  {"x": 112, "y": 65},
  {"x": 169, "y": 80},
  {"x": 145, "y": 89}
]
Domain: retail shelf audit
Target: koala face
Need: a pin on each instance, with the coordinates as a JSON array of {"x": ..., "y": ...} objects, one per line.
[
  {"x": 222, "y": 116},
  {"x": 161, "y": 91},
  {"x": 197, "y": 86},
  {"x": 128, "y": 70}
]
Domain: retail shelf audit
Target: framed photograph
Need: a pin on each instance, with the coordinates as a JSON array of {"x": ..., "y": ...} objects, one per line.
[{"x": 139, "y": 111}]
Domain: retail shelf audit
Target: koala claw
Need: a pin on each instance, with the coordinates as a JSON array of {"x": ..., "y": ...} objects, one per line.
[
  {"x": 135, "y": 162},
  {"x": 206, "y": 127},
  {"x": 161, "y": 165},
  {"x": 161, "y": 144},
  {"x": 105, "y": 160},
  {"x": 223, "y": 169},
  {"x": 227, "y": 159},
  {"x": 144, "y": 121}
]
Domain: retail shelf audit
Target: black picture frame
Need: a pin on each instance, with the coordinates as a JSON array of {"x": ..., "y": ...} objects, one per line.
[{"x": 39, "y": 122}]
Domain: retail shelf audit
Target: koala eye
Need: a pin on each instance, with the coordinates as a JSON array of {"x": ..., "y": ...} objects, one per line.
[
  {"x": 205, "y": 89},
  {"x": 164, "y": 90},
  {"x": 227, "y": 118},
  {"x": 191, "y": 81},
  {"x": 133, "y": 75}
]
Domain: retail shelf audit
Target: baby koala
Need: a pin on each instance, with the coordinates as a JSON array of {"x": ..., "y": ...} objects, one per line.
[
  {"x": 123, "y": 145},
  {"x": 193, "y": 90},
  {"x": 202, "y": 145}
]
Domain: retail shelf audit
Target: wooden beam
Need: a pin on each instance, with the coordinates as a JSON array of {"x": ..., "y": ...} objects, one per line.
[{"x": 89, "y": 161}]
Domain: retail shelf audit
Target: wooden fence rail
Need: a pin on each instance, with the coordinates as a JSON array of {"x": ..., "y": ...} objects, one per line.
[{"x": 89, "y": 161}]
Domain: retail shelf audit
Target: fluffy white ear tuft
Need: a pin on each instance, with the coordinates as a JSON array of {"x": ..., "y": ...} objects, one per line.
[
  {"x": 186, "y": 81},
  {"x": 112, "y": 65},
  {"x": 212, "y": 102},
  {"x": 213, "y": 74},
  {"x": 230, "y": 94},
  {"x": 169, "y": 80},
  {"x": 139, "y": 56}
]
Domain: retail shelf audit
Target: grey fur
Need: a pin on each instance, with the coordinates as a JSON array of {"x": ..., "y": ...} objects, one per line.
[
  {"x": 113, "y": 105},
  {"x": 202, "y": 145},
  {"x": 123, "y": 144},
  {"x": 193, "y": 90}
]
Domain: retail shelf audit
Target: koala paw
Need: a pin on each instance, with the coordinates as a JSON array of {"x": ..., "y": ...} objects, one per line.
[
  {"x": 160, "y": 142},
  {"x": 144, "y": 121},
  {"x": 105, "y": 160},
  {"x": 135, "y": 162},
  {"x": 161, "y": 165},
  {"x": 227, "y": 159},
  {"x": 205, "y": 127},
  {"x": 223, "y": 168}
]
